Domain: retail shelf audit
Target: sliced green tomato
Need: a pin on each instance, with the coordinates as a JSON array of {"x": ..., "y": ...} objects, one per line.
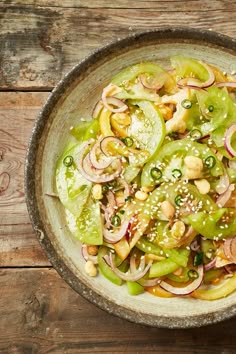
[
  {"x": 131, "y": 172},
  {"x": 104, "y": 267},
  {"x": 188, "y": 67},
  {"x": 172, "y": 155},
  {"x": 183, "y": 278},
  {"x": 130, "y": 73},
  {"x": 85, "y": 130},
  {"x": 147, "y": 127},
  {"x": 218, "y": 107},
  {"x": 179, "y": 256},
  {"x": 73, "y": 189},
  {"x": 213, "y": 226},
  {"x": 134, "y": 288},
  {"x": 88, "y": 226},
  {"x": 217, "y": 292},
  {"x": 161, "y": 268},
  {"x": 136, "y": 91}
]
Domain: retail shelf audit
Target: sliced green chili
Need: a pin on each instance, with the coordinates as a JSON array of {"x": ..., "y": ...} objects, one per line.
[
  {"x": 210, "y": 162},
  {"x": 211, "y": 108},
  {"x": 193, "y": 274},
  {"x": 176, "y": 173},
  {"x": 128, "y": 141},
  {"x": 195, "y": 134},
  {"x": 116, "y": 221},
  {"x": 186, "y": 104},
  {"x": 68, "y": 161},
  {"x": 178, "y": 200},
  {"x": 156, "y": 173}
]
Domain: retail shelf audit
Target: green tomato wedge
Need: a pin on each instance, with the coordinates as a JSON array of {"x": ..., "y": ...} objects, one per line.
[
  {"x": 73, "y": 189},
  {"x": 161, "y": 268},
  {"x": 147, "y": 127},
  {"x": 219, "y": 109},
  {"x": 171, "y": 157},
  {"x": 88, "y": 226},
  {"x": 188, "y": 67},
  {"x": 85, "y": 130},
  {"x": 214, "y": 226},
  {"x": 104, "y": 267},
  {"x": 134, "y": 288}
]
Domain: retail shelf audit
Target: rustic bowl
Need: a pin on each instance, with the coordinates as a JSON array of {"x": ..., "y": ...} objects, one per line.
[{"x": 73, "y": 98}]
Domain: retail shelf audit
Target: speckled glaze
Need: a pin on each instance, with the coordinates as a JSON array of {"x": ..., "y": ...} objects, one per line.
[{"x": 73, "y": 99}]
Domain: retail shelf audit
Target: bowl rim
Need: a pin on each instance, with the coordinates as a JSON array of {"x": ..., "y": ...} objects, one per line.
[{"x": 182, "y": 33}]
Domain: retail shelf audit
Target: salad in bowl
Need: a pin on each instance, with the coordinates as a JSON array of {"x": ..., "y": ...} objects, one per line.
[{"x": 148, "y": 185}]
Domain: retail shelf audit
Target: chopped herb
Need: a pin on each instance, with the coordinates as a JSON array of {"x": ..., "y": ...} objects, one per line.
[
  {"x": 113, "y": 184},
  {"x": 68, "y": 161},
  {"x": 198, "y": 259},
  {"x": 105, "y": 188},
  {"x": 122, "y": 211},
  {"x": 129, "y": 198}
]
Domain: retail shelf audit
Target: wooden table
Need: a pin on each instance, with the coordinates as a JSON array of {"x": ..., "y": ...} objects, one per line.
[{"x": 40, "y": 40}]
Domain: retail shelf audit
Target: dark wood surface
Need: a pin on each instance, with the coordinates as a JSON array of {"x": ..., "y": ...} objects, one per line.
[{"x": 40, "y": 40}]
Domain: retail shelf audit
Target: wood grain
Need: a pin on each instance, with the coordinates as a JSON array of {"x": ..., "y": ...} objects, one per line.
[
  {"x": 49, "y": 37},
  {"x": 18, "y": 244},
  {"x": 47, "y": 316}
]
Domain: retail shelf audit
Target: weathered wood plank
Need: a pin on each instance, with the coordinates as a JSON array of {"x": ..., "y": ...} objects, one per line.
[
  {"x": 170, "y": 5},
  {"x": 45, "y": 42},
  {"x": 18, "y": 244},
  {"x": 46, "y": 316}
]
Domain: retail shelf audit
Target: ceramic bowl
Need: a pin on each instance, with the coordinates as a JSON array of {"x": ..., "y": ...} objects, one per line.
[{"x": 73, "y": 99}]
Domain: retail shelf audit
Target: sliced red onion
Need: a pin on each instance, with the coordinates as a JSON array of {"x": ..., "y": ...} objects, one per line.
[
  {"x": 126, "y": 276},
  {"x": 187, "y": 289},
  {"x": 53, "y": 195},
  {"x": 133, "y": 267},
  {"x": 104, "y": 161},
  {"x": 149, "y": 85},
  {"x": 195, "y": 83},
  {"x": 230, "y": 248},
  {"x": 230, "y": 84},
  {"x": 210, "y": 265},
  {"x": 114, "y": 237},
  {"x": 227, "y": 140},
  {"x": 195, "y": 246},
  {"x": 125, "y": 184},
  {"x": 110, "y": 139},
  {"x": 111, "y": 202},
  {"x": 109, "y": 101},
  {"x": 97, "y": 109},
  {"x": 91, "y": 174},
  {"x": 87, "y": 256},
  {"x": 223, "y": 184},
  {"x": 107, "y": 216},
  {"x": 223, "y": 198}
]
